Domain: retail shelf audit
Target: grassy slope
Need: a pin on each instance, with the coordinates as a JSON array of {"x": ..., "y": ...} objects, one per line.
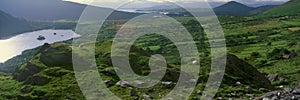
[{"x": 290, "y": 8}]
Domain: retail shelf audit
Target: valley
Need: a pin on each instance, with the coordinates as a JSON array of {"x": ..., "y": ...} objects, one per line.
[{"x": 263, "y": 54}]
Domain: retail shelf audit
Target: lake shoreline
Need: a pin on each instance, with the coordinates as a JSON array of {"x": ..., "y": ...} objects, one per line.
[{"x": 15, "y": 45}]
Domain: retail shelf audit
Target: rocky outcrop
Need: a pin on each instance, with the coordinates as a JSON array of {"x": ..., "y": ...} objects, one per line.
[
  {"x": 56, "y": 56},
  {"x": 285, "y": 94},
  {"x": 238, "y": 70},
  {"x": 24, "y": 73}
]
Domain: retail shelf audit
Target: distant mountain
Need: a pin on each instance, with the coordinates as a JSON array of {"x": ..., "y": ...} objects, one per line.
[
  {"x": 10, "y": 25},
  {"x": 233, "y": 8},
  {"x": 52, "y": 9},
  {"x": 290, "y": 8}
]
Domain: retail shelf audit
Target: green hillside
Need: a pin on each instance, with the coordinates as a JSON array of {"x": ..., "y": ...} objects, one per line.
[
  {"x": 290, "y": 8},
  {"x": 46, "y": 74},
  {"x": 261, "y": 9}
]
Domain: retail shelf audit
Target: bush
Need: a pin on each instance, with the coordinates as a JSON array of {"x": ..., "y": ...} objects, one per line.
[
  {"x": 277, "y": 54},
  {"x": 255, "y": 54}
]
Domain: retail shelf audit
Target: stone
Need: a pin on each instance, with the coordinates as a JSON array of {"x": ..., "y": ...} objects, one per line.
[
  {"x": 238, "y": 83},
  {"x": 263, "y": 90},
  {"x": 166, "y": 83},
  {"x": 109, "y": 83},
  {"x": 147, "y": 97},
  {"x": 108, "y": 71},
  {"x": 123, "y": 84},
  {"x": 273, "y": 77},
  {"x": 132, "y": 92},
  {"x": 250, "y": 89}
]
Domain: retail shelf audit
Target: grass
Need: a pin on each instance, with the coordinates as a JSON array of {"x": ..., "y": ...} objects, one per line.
[{"x": 9, "y": 87}]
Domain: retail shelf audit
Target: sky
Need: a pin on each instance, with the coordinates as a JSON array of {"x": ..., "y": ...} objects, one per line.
[{"x": 115, "y": 3}]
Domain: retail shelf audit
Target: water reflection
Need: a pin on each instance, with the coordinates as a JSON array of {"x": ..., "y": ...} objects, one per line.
[{"x": 15, "y": 45}]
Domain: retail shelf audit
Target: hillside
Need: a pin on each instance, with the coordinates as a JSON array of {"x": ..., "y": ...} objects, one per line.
[
  {"x": 10, "y": 25},
  {"x": 261, "y": 9},
  {"x": 52, "y": 10},
  {"x": 290, "y": 8},
  {"x": 46, "y": 74}
]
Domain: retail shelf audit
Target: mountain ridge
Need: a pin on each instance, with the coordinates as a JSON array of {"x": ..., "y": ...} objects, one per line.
[
  {"x": 53, "y": 10},
  {"x": 11, "y": 25}
]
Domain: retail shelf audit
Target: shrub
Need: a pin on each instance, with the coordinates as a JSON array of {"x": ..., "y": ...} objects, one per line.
[
  {"x": 277, "y": 54},
  {"x": 255, "y": 54}
]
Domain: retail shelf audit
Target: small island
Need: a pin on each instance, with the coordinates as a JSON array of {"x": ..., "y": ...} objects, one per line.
[{"x": 41, "y": 38}]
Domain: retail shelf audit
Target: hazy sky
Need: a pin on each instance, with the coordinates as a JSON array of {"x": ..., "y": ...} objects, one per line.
[{"x": 112, "y": 3}]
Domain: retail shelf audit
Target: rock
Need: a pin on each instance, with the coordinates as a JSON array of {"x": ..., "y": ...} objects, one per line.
[
  {"x": 132, "y": 92},
  {"x": 147, "y": 97},
  {"x": 249, "y": 88},
  {"x": 192, "y": 80},
  {"x": 195, "y": 62},
  {"x": 166, "y": 83},
  {"x": 109, "y": 71},
  {"x": 123, "y": 84},
  {"x": 269, "y": 95},
  {"x": 249, "y": 95},
  {"x": 263, "y": 90},
  {"x": 60, "y": 55},
  {"x": 109, "y": 83},
  {"x": 29, "y": 70},
  {"x": 288, "y": 90},
  {"x": 238, "y": 83},
  {"x": 296, "y": 91},
  {"x": 286, "y": 94},
  {"x": 276, "y": 77},
  {"x": 272, "y": 77},
  {"x": 26, "y": 89},
  {"x": 233, "y": 94}
]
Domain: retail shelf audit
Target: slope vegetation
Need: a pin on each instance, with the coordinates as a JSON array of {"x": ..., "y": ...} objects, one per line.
[{"x": 290, "y": 8}]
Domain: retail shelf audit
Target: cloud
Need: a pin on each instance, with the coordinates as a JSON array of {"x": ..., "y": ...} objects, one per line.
[{"x": 117, "y": 3}]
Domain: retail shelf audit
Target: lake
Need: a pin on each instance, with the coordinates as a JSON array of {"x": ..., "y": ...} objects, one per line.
[
  {"x": 14, "y": 46},
  {"x": 136, "y": 11}
]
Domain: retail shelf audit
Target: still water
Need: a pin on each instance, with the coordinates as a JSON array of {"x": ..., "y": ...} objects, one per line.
[{"x": 14, "y": 46}]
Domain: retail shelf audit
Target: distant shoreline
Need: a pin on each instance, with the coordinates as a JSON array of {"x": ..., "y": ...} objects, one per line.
[{"x": 11, "y": 36}]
